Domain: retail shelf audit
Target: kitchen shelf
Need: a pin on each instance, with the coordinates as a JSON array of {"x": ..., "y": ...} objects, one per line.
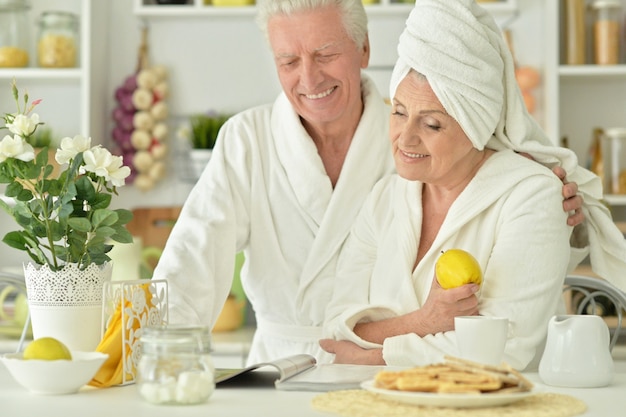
[
  {"x": 615, "y": 199},
  {"x": 41, "y": 74},
  {"x": 146, "y": 9},
  {"x": 592, "y": 71}
]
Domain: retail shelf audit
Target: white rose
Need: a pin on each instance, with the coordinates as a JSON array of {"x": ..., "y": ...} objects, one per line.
[
  {"x": 110, "y": 167},
  {"x": 16, "y": 147},
  {"x": 70, "y": 147},
  {"x": 117, "y": 171},
  {"x": 97, "y": 160},
  {"x": 24, "y": 125}
]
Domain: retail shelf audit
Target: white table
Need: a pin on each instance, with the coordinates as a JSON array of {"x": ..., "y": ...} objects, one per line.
[{"x": 241, "y": 402}]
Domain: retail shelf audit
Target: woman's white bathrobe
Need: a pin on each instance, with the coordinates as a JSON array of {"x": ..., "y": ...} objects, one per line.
[
  {"x": 509, "y": 217},
  {"x": 266, "y": 192}
]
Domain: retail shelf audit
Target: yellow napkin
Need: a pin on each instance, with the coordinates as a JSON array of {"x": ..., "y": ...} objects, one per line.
[{"x": 112, "y": 371}]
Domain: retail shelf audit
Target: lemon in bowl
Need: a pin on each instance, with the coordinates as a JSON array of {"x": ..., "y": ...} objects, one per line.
[
  {"x": 47, "y": 349},
  {"x": 54, "y": 372}
]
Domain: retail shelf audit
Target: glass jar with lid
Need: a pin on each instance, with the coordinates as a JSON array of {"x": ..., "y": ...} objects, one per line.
[
  {"x": 607, "y": 31},
  {"x": 14, "y": 33},
  {"x": 175, "y": 365},
  {"x": 57, "y": 46},
  {"x": 614, "y": 160}
]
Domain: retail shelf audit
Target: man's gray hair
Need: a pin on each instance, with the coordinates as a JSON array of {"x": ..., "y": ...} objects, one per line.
[{"x": 352, "y": 12}]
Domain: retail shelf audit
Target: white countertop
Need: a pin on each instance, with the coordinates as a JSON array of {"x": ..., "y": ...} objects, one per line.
[
  {"x": 239, "y": 402},
  {"x": 223, "y": 343}
]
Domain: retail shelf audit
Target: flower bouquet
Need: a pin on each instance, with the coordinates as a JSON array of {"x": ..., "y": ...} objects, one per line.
[
  {"x": 64, "y": 219},
  {"x": 66, "y": 225}
]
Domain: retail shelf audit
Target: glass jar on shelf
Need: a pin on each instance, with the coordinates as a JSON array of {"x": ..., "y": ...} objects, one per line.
[
  {"x": 175, "y": 365},
  {"x": 57, "y": 45},
  {"x": 607, "y": 31},
  {"x": 14, "y": 33},
  {"x": 614, "y": 160}
]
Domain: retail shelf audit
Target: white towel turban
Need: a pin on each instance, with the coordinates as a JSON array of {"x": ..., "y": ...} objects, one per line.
[{"x": 461, "y": 51}]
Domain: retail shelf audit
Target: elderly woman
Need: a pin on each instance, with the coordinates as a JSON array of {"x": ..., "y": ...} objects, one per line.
[{"x": 457, "y": 120}]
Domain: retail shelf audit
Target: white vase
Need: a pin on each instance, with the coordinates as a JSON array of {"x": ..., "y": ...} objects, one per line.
[
  {"x": 199, "y": 160},
  {"x": 67, "y": 304}
]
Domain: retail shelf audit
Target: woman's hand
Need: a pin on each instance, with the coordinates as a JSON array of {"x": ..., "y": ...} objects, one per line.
[
  {"x": 443, "y": 305},
  {"x": 572, "y": 202},
  {"x": 349, "y": 352}
]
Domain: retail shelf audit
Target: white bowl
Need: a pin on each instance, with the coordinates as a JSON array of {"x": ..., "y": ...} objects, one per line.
[{"x": 54, "y": 377}]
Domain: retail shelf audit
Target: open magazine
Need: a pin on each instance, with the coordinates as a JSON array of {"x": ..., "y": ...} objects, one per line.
[{"x": 297, "y": 373}]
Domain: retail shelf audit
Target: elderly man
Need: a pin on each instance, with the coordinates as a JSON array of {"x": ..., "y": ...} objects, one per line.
[{"x": 286, "y": 181}]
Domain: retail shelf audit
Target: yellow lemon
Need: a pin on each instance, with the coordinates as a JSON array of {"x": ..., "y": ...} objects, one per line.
[
  {"x": 48, "y": 349},
  {"x": 456, "y": 267}
]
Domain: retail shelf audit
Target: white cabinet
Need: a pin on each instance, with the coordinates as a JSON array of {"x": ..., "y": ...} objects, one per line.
[
  {"x": 579, "y": 98},
  {"x": 67, "y": 93}
]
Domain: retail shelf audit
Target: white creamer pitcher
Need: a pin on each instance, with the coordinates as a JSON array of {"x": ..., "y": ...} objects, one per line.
[{"x": 577, "y": 352}]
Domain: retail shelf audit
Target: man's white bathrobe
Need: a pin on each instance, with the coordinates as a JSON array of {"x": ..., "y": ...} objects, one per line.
[
  {"x": 509, "y": 217},
  {"x": 266, "y": 192}
]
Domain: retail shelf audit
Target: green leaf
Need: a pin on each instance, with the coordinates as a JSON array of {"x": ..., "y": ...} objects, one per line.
[
  {"x": 61, "y": 251},
  {"x": 39, "y": 230},
  {"x": 100, "y": 201},
  {"x": 77, "y": 239},
  {"x": 25, "y": 195},
  {"x": 124, "y": 216},
  {"x": 21, "y": 210},
  {"x": 103, "y": 217},
  {"x": 5, "y": 206},
  {"x": 80, "y": 224},
  {"x": 54, "y": 187},
  {"x": 5, "y": 178},
  {"x": 99, "y": 258},
  {"x": 13, "y": 190},
  {"x": 104, "y": 232},
  {"x": 64, "y": 212},
  {"x": 122, "y": 235},
  {"x": 56, "y": 231},
  {"x": 42, "y": 157},
  {"x": 32, "y": 172},
  {"x": 85, "y": 189},
  {"x": 15, "y": 240}
]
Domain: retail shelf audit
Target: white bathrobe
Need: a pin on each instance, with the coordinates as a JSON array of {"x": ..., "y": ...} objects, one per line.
[
  {"x": 266, "y": 192},
  {"x": 509, "y": 217}
]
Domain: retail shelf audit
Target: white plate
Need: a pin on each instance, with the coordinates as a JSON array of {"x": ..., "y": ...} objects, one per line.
[{"x": 446, "y": 400}]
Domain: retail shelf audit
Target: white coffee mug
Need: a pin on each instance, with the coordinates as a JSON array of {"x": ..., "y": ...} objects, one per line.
[{"x": 481, "y": 338}]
